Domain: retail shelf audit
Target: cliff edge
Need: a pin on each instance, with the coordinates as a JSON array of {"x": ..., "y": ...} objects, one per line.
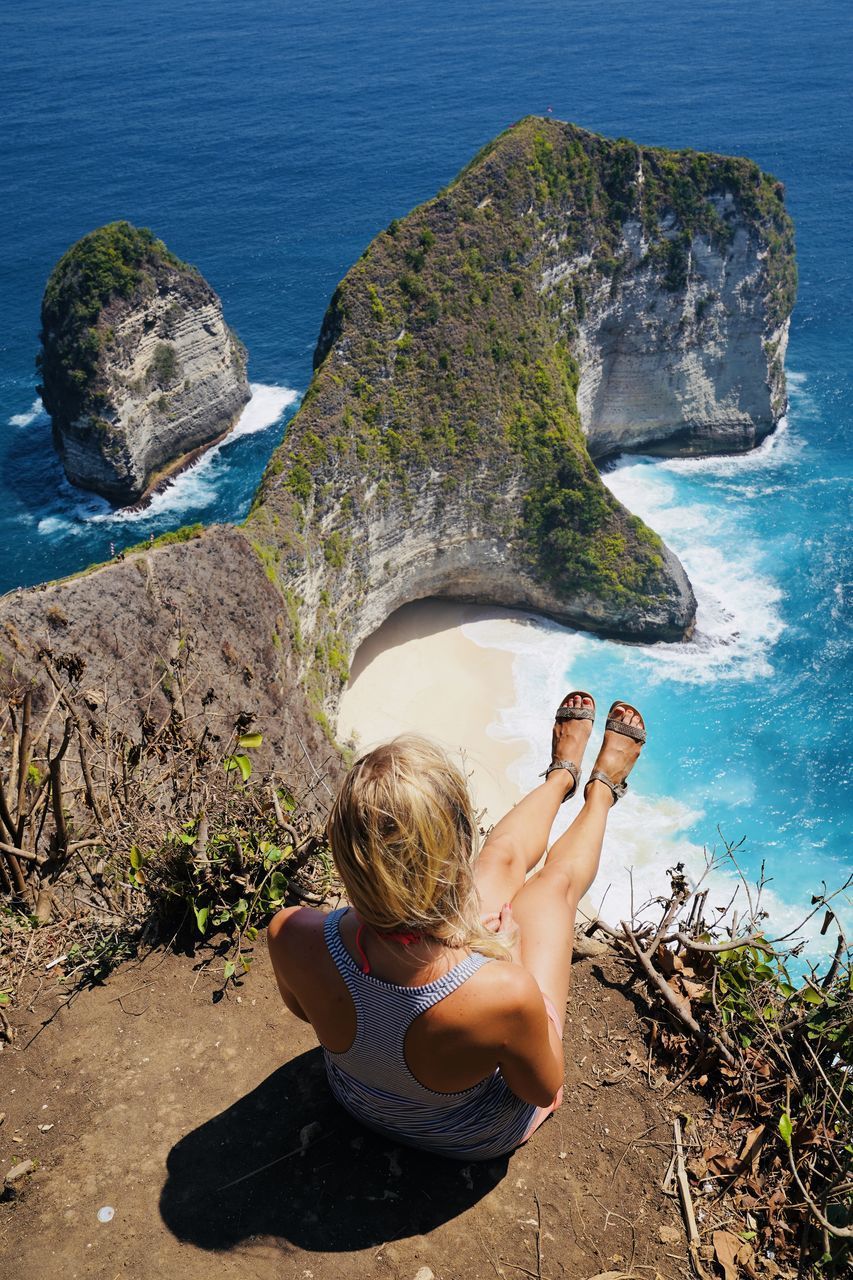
[{"x": 139, "y": 369}]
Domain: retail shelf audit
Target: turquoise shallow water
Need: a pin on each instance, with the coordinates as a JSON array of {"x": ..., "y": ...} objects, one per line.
[{"x": 267, "y": 143}]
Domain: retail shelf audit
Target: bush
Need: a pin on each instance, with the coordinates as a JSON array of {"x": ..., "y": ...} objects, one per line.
[{"x": 163, "y": 369}]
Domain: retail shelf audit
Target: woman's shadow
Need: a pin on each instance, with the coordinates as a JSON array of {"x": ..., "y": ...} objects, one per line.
[{"x": 287, "y": 1161}]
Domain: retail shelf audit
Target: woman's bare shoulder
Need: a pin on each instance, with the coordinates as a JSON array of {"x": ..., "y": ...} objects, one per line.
[
  {"x": 293, "y": 931},
  {"x": 505, "y": 995},
  {"x": 510, "y": 984}
]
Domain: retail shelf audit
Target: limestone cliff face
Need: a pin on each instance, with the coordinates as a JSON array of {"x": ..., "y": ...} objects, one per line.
[
  {"x": 698, "y": 369},
  {"x": 139, "y": 367},
  {"x": 566, "y": 297}
]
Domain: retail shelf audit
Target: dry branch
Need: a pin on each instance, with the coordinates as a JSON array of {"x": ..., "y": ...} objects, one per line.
[{"x": 677, "y": 1004}]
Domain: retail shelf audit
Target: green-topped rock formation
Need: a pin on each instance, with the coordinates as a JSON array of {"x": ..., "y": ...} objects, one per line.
[
  {"x": 567, "y": 296},
  {"x": 139, "y": 369}
]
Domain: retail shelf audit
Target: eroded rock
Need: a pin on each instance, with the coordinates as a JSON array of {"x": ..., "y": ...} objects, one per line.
[{"x": 139, "y": 369}]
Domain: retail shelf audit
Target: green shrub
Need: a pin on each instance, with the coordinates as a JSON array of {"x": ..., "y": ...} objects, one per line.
[{"x": 163, "y": 369}]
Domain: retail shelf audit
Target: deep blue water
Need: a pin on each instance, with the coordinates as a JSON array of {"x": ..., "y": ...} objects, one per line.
[{"x": 268, "y": 142}]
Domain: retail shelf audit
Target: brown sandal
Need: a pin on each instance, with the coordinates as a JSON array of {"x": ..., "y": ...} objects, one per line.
[
  {"x": 570, "y": 713},
  {"x": 635, "y": 731}
]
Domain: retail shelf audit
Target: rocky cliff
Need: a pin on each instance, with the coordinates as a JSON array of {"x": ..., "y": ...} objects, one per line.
[
  {"x": 698, "y": 366},
  {"x": 139, "y": 368},
  {"x": 469, "y": 365},
  {"x": 567, "y": 295}
]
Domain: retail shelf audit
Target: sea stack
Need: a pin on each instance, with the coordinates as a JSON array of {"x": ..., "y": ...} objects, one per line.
[{"x": 139, "y": 369}]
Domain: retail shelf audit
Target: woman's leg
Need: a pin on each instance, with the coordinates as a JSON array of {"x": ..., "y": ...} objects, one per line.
[
  {"x": 517, "y": 842},
  {"x": 545, "y": 907}
]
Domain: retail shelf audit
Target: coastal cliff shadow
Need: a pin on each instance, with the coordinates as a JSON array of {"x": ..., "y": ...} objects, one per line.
[
  {"x": 419, "y": 619},
  {"x": 286, "y": 1161}
]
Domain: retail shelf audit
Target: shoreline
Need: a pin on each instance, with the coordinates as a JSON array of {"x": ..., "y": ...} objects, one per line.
[
  {"x": 420, "y": 673},
  {"x": 170, "y": 472}
]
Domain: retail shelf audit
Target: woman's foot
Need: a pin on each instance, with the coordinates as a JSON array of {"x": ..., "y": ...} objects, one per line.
[
  {"x": 568, "y": 743},
  {"x": 618, "y": 753}
]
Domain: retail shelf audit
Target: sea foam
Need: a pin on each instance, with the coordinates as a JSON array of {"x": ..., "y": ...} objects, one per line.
[
  {"x": 196, "y": 488},
  {"x": 702, "y": 509},
  {"x": 646, "y": 833},
  {"x": 738, "y": 616},
  {"x": 35, "y": 410}
]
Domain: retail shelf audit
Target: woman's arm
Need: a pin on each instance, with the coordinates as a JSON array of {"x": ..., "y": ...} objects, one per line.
[
  {"x": 531, "y": 1053},
  {"x": 279, "y": 956}
]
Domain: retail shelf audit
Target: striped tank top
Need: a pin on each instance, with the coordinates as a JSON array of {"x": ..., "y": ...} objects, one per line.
[{"x": 372, "y": 1081}]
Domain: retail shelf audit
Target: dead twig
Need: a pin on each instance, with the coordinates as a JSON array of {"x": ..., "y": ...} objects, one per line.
[
  {"x": 693, "y": 1237},
  {"x": 676, "y": 1003}
]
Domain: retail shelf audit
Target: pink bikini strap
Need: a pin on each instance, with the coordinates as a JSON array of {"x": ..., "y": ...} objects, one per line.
[
  {"x": 404, "y": 936},
  {"x": 365, "y": 963}
]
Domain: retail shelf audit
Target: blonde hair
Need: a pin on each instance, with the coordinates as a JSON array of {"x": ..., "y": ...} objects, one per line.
[{"x": 404, "y": 839}]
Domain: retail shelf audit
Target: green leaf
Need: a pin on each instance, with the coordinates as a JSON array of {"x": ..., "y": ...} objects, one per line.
[
  {"x": 811, "y": 996},
  {"x": 251, "y": 740},
  {"x": 135, "y": 858},
  {"x": 243, "y": 763},
  {"x": 4, "y": 997},
  {"x": 230, "y": 969},
  {"x": 201, "y": 915},
  {"x": 786, "y": 1128},
  {"x": 278, "y": 884}
]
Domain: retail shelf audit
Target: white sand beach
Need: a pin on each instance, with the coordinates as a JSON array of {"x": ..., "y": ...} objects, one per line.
[{"x": 420, "y": 673}]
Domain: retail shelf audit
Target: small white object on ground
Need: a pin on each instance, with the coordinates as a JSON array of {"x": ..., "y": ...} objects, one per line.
[
  {"x": 19, "y": 1171},
  {"x": 106, "y": 1214},
  {"x": 424, "y": 1274}
]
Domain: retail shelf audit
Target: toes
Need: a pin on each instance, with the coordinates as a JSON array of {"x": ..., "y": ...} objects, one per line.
[
  {"x": 586, "y": 701},
  {"x": 627, "y": 714}
]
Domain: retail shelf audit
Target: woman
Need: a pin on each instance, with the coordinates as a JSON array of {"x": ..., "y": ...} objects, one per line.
[{"x": 425, "y": 1040}]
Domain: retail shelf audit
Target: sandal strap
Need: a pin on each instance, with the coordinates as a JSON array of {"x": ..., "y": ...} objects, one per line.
[
  {"x": 628, "y": 730},
  {"x": 618, "y": 788},
  {"x": 574, "y": 713},
  {"x": 570, "y": 767}
]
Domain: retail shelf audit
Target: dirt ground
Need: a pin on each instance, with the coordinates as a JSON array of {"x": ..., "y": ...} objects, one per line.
[{"x": 208, "y": 1129}]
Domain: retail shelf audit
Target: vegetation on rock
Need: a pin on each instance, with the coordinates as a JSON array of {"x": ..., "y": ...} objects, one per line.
[
  {"x": 447, "y": 368},
  {"x": 115, "y": 261},
  {"x": 138, "y": 367}
]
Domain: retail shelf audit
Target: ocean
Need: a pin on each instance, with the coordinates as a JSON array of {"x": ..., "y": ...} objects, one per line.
[{"x": 268, "y": 142}]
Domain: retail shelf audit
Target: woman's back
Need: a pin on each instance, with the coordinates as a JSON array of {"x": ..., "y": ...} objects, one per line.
[
  {"x": 374, "y": 1081},
  {"x": 436, "y": 1047}
]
